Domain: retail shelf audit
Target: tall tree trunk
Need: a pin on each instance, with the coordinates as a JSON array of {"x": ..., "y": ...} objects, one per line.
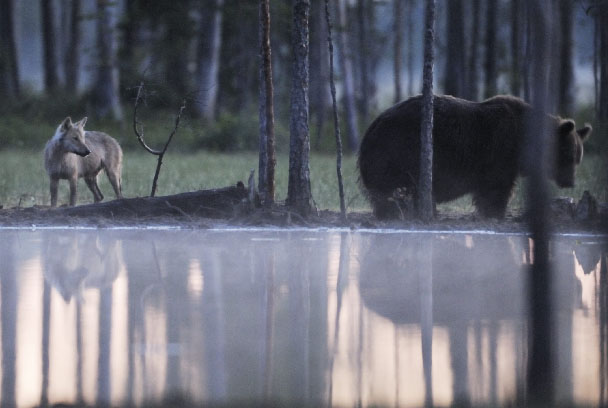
[
  {"x": 565, "y": 95},
  {"x": 516, "y": 26},
  {"x": 319, "y": 70},
  {"x": 490, "y": 60},
  {"x": 455, "y": 62},
  {"x": 72, "y": 53},
  {"x": 267, "y": 160},
  {"x": 51, "y": 79},
  {"x": 9, "y": 72},
  {"x": 363, "y": 31},
  {"x": 409, "y": 22},
  {"x": 299, "y": 195},
  {"x": 210, "y": 43},
  {"x": 540, "y": 379},
  {"x": 105, "y": 89},
  {"x": 397, "y": 46},
  {"x": 346, "y": 67},
  {"x": 603, "y": 66},
  {"x": 425, "y": 184},
  {"x": 472, "y": 90}
]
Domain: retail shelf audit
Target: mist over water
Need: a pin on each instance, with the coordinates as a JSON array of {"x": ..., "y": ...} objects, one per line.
[{"x": 309, "y": 317}]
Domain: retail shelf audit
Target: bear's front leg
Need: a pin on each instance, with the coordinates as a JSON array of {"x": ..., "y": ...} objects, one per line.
[{"x": 492, "y": 203}]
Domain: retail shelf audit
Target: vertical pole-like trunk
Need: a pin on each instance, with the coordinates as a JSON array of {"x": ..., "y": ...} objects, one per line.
[
  {"x": 565, "y": 96},
  {"x": 106, "y": 100},
  {"x": 332, "y": 87},
  {"x": 425, "y": 189},
  {"x": 397, "y": 46},
  {"x": 515, "y": 47},
  {"x": 409, "y": 22},
  {"x": 603, "y": 66},
  {"x": 49, "y": 46},
  {"x": 210, "y": 44},
  {"x": 472, "y": 71},
  {"x": 72, "y": 53},
  {"x": 346, "y": 67},
  {"x": 299, "y": 195},
  {"x": 267, "y": 160},
  {"x": 364, "y": 56},
  {"x": 540, "y": 380},
  {"x": 455, "y": 61},
  {"x": 490, "y": 58},
  {"x": 319, "y": 70},
  {"x": 9, "y": 72}
]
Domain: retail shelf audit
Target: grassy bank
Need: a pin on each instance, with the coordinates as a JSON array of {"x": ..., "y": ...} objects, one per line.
[{"x": 23, "y": 180}]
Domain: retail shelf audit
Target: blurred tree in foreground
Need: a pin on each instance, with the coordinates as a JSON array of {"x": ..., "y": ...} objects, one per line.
[{"x": 9, "y": 72}]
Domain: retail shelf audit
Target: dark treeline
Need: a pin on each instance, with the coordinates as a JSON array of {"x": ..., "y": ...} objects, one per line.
[{"x": 208, "y": 52}]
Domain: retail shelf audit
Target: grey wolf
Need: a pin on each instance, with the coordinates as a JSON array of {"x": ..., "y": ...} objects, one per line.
[{"x": 74, "y": 153}]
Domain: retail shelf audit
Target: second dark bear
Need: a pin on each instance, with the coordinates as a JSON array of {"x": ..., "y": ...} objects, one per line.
[{"x": 478, "y": 149}]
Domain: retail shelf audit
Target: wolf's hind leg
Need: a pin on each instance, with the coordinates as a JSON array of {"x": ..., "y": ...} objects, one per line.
[
  {"x": 54, "y": 184},
  {"x": 92, "y": 184},
  {"x": 73, "y": 190},
  {"x": 116, "y": 183}
]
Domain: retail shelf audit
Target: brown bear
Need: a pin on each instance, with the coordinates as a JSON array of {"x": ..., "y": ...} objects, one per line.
[{"x": 477, "y": 148}]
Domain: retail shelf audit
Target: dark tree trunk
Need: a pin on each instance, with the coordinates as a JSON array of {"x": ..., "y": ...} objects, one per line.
[
  {"x": 603, "y": 66},
  {"x": 105, "y": 89},
  {"x": 409, "y": 21},
  {"x": 177, "y": 42},
  {"x": 299, "y": 195},
  {"x": 516, "y": 46},
  {"x": 472, "y": 90},
  {"x": 455, "y": 62},
  {"x": 267, "y": 160},
  {"x": 9, "y": 72},
  {"x": 425, "y": 190},
  {"x": 540, "y": 379},
  {"x": 565, "y": 94},
  {"x": 51, "y": 80},
  {"x": 346, "y": 67},
  {"x": 490, "y": 58},
  {"x": 364, "y": 32},
  {"x": 319, "y": 70},
  {"x": 397, "y": 46},
  {"x": 72, "y": 53},
  {"x": 210, "y": 43}
]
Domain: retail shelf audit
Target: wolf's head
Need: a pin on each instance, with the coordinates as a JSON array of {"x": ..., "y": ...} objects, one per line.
[{"x": 71, "y": 136}]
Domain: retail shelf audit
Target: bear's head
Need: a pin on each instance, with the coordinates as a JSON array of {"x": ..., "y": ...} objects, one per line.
[{"x": 569, "y": 151}]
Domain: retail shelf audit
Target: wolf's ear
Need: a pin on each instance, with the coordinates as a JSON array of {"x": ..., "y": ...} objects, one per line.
[
  {"x": 81, "y": 123},
  {"x": 66, "y": 124}
]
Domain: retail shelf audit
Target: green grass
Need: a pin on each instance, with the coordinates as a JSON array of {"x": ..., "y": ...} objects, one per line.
[{"x": 23, "y": 180}]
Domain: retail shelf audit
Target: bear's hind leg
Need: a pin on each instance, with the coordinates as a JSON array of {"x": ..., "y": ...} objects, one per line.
[{"x": 492, "y": 203}]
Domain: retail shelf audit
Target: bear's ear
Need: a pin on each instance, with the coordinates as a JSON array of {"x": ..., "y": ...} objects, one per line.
[
  {"x": 66, "y": 124},
  {"x": 566, "y": 127},
  {"x": 585, "y": 132}
]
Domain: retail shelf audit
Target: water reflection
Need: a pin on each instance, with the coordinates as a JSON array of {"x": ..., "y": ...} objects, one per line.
[{"x": 318, "y": 318}]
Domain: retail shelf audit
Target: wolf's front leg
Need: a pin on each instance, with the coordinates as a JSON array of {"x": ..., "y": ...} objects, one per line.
[
  {"x": 54, "y": 183},
  {"x": 73, "y": 193}
]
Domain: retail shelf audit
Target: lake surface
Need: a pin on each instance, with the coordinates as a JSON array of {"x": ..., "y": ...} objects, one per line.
[{"x": 319, "y": 318}]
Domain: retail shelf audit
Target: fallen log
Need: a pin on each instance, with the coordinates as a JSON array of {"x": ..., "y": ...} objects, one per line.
[{"x": 215, "y": 203}]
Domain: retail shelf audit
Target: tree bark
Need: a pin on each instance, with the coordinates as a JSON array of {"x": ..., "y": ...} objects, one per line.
[
  {"x": 410, "y": 46},
  {"x": 397, "y": 46},
  {"x": 364, "y": 54},
  {"x": 490, "y": 60},
  {"x": 603, "y": 65},
  {"x": 72, "y": 53},
  {"x": 319, "y": 70},
  {"x": 516, "y": 45},
  {"x": 346, "y": 67},
  {"x": 51, "y": 79},
  {"x": 9, "y": 71},
  {"x": 540, "y": 379},
  {"x": 472, "y": 72},
  {"x": 455, "y": 62},
  {"x": 425, "y": 184},
  {"x": 267, "y": 160},
  {"x": 299, "y": 195},
  {"x": 210, "y": 44},
  {"x": 565, "y": 91},
  {"x": 106, "y": 97}
]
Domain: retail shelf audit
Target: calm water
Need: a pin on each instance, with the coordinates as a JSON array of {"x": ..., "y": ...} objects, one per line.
[{"x": 319, "y": 318}]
